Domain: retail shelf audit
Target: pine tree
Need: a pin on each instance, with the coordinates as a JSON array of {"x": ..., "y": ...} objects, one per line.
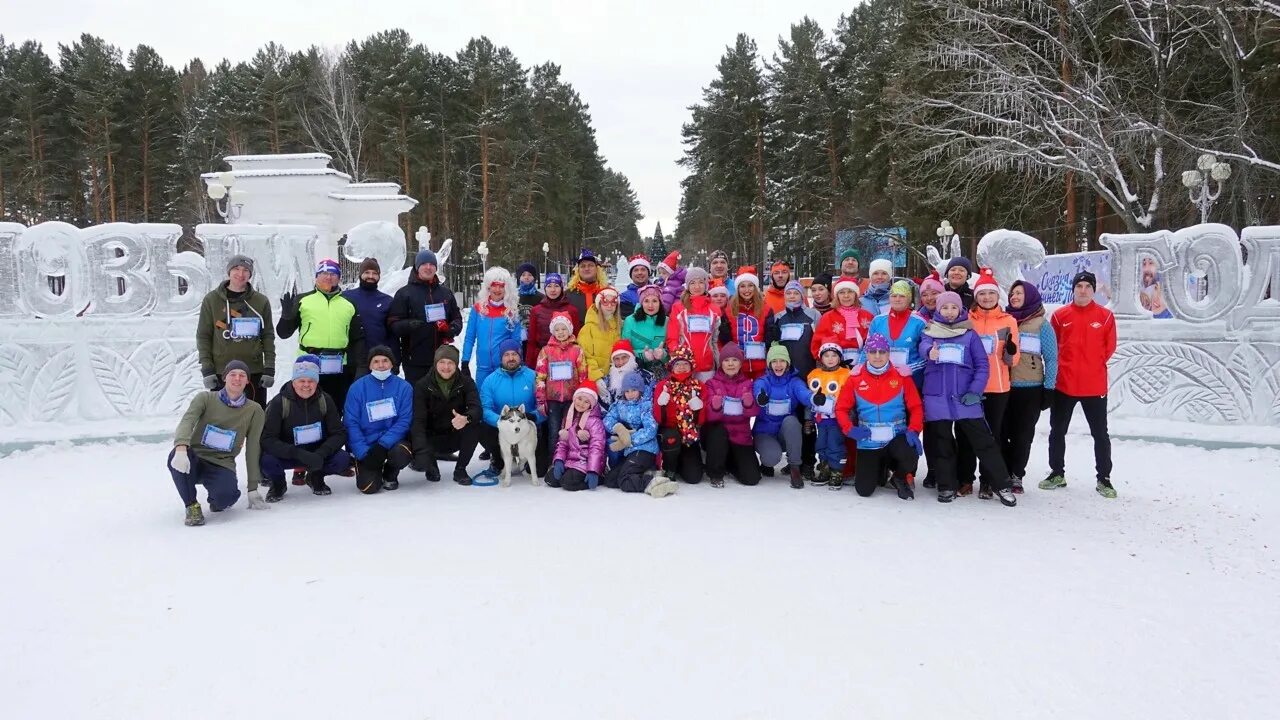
[
  {"x": 657, "y": 249},
  {"x": 149, "y": 139},
  {"x": 92, "y": 70}
]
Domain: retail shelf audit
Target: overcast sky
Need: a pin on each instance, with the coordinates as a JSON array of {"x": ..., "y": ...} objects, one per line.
[{"x": 638, "y": 65}]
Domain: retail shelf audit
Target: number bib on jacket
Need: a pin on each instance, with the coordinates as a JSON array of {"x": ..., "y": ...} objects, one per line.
[
  {"x": 951, "y": 353},
  {"x": 307, "y": 434},
  {"x": 779, "y": 407},
  {"x": 1031, "y": 344},
  {"x": 753, "y": 350},
  {"x": 881, "y": 432},
  {"x": 216, "y": 438},
  {"x": 379, "y": 410},
  {"x": 562, "y": 370},
  {"x": 792, "y": 331},
  {"x": 732, "y": 406},
  {"x": 434, "y": 312},
  {"x": 330, "y": 364},
  {"x": 243, "y": 328},
  {"x": 699, "y": 323}
]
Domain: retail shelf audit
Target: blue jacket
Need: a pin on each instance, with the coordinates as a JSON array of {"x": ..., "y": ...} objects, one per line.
[
  {"x": 785, "y": 387},
  {"x": 362, "y": 432},
  {"x": 484, "y": 335},
  {"x": 504, "y": 387},
  {"x": 908, "y": 341},
  {"x": 638, "y": 416},
  {"x": 371, "y": 308}
]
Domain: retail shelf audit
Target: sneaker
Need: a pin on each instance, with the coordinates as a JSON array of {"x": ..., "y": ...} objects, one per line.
[
  {"x": 946, "y": 496},
  {"x": 390, "y": 484},
  {"x": 660, "y": 486},
  {"x": 929, "y": 482},
  {"x": 1053, "y": 482},
  {"x": 275, "y": 493},
  {"x": 299, "y": 476},
  {"x": 1106, "y": 490},
  {"x": 797, "y": 481},
  {"x": 966, "y": 489},
  {"x": 717, "y": 482},
  {"x": 984, "y": 493},
  {"x": 1015, "y": 484},
  {"x": 904, "y": 489},
  {"x": 317, "y": 484},
  {"x": 194, "y": 515},
  {"x": 835, "y": 482},
  {"x": 1007, "y": 498}
]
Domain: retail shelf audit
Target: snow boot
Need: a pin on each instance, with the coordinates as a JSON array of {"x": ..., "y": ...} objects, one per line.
[
  {"x": 275, "y": 493},
  {"x": 966, "y": 489},
  {"x": 717, "y": 482},
  {"x": 1105, "y": 489},
  {"x": 661, "y": 486},
  {"x": 484, "y": 455},
  {"x": 1007, "y": 498},
  {"x": 1053, "y": 482},
  {"x": 797, "y": 481},
  {"x": 818, "y": 475},
  {"x": 462, "y": 478},
  {"x": 299, "y": 476},
  {"x": 194, "y": 515},
  {"x": 390, "y": 479},
  {"x": 946, "y": 496},
  {"x": 316, "y": 482},
  {"x": 984, "y": 492},
  {"x": 929, "y": 482},
  {"x": 766, "y": 471},
  {"x": 903, "y": 487},
  {"x": 368, "y": 479},
  {"x": 1015, "y": 484},
  {"x": 808, "y": 474}
]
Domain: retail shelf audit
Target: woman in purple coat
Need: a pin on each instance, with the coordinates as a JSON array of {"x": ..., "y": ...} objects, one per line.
[
  {"x": 727, "y": 432},
  {"x": 955, "y": 375},
  {"x": 580, "y": 450}
]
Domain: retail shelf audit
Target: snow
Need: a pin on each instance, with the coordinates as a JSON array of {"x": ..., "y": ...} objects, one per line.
[{"x": 448, "y": 602}]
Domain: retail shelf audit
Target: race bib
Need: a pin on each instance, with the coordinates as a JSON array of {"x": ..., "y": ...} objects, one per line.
[
  {"x": 215, "y": 438},
  {"x": 699, "y": 323},
  {"x": 989, "y": 343},
  {"x": 851, "y": 354},
  {"x": 434, "y": 313},
  {"x": 881, "y": 433},
  {"x": 898, "y": 356},
  {"x": 779, "y": 407},
  {"x": 245, "y": 327},
  {"x": 330, "y": 364},
  {"x": 792, "y": 331},
  {"x": 307, "y": 434},
  {"x": 951, "y": 353},
  {"x": 733, "y": 406},
  {"x": 753, "y": 350},
  {"x": 562, "y": 370},
  {"x": 384, "y": 409},
  {"x": 1031, "y": 344}
]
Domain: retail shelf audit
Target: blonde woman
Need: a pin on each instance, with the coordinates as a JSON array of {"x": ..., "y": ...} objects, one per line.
[{"x": 600, "y": 330}]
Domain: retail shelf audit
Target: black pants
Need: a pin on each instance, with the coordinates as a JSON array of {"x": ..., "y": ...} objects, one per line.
[
  {"x": 573, "y": 480},
  {"x": 337, "y": 386},
  {"x": 254, "y": 389},
  {"x": 897, "y": 457},
  {"x": 685, "y": 462},
  {"x": 463, "y": 442},
  {"x": 1095, "y": 413},
  {"x": 381, "y": 464},
  {"x": 1020, "y": 428},
  {"x": 975, "y": 433},
  {"x": 724, "y": 457},
  {"x": 993, "y": 407},
  {"x": 808, "y": 441},
  {"x": 629, "y": 474},
  {"x": 414, "y": 373}
]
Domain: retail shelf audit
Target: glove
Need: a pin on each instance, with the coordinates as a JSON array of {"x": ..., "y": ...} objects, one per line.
[
  {"x": 747, "y": 399},
  {"x": 310, "y": 460},
  {"x": 255, "y": 500},
  {"x": 210, "y": 382},
  {"x": 442, "y": 327},
  {"x": 376, "y": 457},
  {"x": 659, "y": 353},
  {"x": 1010, "y": 347},
  {"x": 557, "y": 469},
  {"x": 695, "y": 402},
  {"x": 648, "y": 354},
  {"x": 971, "y": 398},
  {"x": 268, "y": 380},
  {"x": 602, "y": 387},
  {"x": 762, "y": 398},
  {"x": 717, "y": 402},
  {"x": 289, "y": 304},
  {"x": 664, "y": 398},
  {"x": 1047, "y": 397},
  {"x": 913, "y": 439},
  {"x": 592, "y": 480},
  {"x": 819, "y": 399},
  {"x": 465, "y": 368},
  {"x": 181, "y": 462},
  {"x": 858, "y": 432}
]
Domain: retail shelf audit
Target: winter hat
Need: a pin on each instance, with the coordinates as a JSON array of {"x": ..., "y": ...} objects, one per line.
[
  {"x": 880, "y": 264},
  {"x": 850, "y": 253},
  {"x": 901, "y": 287},
  {"x": 636, "y": 261},
  {"x": 560, "y": 319},
  {"x": 525, "y": 267},
  {"x": 381, "y": 351},
  {"x": 795, "y": 285},
  {"x": 647, "y": 289},
  {"x": 1085, "y": 276},
  {"x": 504, "y": 347},
  {"x": 553, "y": 279},
  {"x": 328, "y": 266},
  {"x": 718, "y": 287},
  {"x": 960, "y": 262},
  {"x": 671, "y": 261},
  {"x": 306, "y": 366},
  {"x": 243, "y": 261},
  {"x": 986, "y": 281},
  {"x": 588, "y": 388},
  {"x": 823, "y": 279},
  {"x": 605, "y": 292},
  {"x": 622, "y": 346},
  {"x": 847, "y": 284},
  {"x": 695, "y": 274},
  {"x": 950, "y": 298},
  {"x": 931, "y": 283},
  {"x": 633, "y": 381},
  {"x": 876, "y": 342},
  {"x": 830, "y": 347},
  {"x": 747, "y": 273},
  {"x": 586, "y": 255},
  {"x": 369, "y": 263},
  {"x": 449, "y": 352},
  {"x": 239, "y": 365},
  {"x": 717, "y": 255},
  {"x": 778, "y": 351},
  {"x": 680, "y": 353},
  {"x": 731, "y": 350},
  {"x": 424, "y": 257}
]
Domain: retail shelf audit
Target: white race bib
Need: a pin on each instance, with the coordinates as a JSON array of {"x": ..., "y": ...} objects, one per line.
[
  {"x": 1031, "y": 344},
  {"x": 435, "y": 313},
  {"x": 307, "y": 434},
  {"x": 779, "y": 407},
  {"x": 383, "y": 409},
  {"x": 562, "y": 370},
  {"x": 699, "y": 323},
  {"x": 792, "y": 331},
  {"x": 330, "y": 364},
  {"x": 733, "y": 406},
  {"x": 753, "y": 350},
  {"x": 898, "y": 356},
  {"x": 828, "y": 407},
  {"x": 950, "y": 353},
  {"x": 989, "y": 343},
  {"x": 246, "y": 327},
  {"x": 881, "y": 433},
  {"x": 215, "y": 438}
]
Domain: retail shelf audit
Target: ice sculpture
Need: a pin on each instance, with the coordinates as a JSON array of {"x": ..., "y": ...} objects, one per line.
[{"x": 1005, "y": 252}]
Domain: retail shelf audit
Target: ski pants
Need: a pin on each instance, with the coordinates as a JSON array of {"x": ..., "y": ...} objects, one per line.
[
  {"x": 808, "y": 440},
  {"x": 993, "y": 408},
  {"x": 831, "y": 443},
  {"x": 1020, "y": 428},
  {"x": 573, "y": 480},
  {"x": 976, "y": 434},
  {"x": 723, "y": 456},
  {"x": 274, "y": 468},
  {"x": 463, "y": 442},
  {"x": 685, "y": 462},
  {"x": 1095, "y": 413},
  {"x": 897, "y": 457},
  {"x": 218, "y": 481},
  {"x": 770, "y": 447},
  {"x": 379, "y": 464},
  {"x": 628, "y": 475}
]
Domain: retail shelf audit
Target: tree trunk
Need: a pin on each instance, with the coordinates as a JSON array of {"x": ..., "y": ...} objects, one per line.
[
  {"x": 760, "y": 185},
  {"x": 146, "y": 172},
  {"x": 484, "y": 184},
  {"x": 94, "y": 192}
]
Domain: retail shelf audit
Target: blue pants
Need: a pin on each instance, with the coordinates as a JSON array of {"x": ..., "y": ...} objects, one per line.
[
  {"x": 273, "y": 468},
  {"x": 831, "y": 443},
  {"x": 218, "y": 481}
]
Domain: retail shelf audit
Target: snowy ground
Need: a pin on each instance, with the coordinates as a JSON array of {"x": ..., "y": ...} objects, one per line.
[{"x": 438, "y": 601}]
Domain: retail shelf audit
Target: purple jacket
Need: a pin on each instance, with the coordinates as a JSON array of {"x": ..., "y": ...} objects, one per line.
[
  {"x": 672, "y": 288},
  {"x": 946, "y": 383},
  {"x": 585, "y": 457},
  {"x": 721, "y": 386}
]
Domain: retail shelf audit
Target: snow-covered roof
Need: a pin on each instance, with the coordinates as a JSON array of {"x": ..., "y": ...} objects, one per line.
[
  {"x": 379, "y": 198},
  {"x": 277, "y": 157},
  {"x": 274, "y": 172}
]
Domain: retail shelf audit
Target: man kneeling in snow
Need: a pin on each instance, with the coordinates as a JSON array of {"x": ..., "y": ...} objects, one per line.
[{"x": 215, "y": 427}]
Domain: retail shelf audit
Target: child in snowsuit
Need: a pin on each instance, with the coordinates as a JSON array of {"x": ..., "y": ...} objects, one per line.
[
  {"x": 779, "y": 394},
  {"x": 880, "y": 408},
  {"x": 727, "y": 435},
  {"x": 827, "y": 380},
  {"x": 562, "y": 366},
  {"x": 635, "y": 440},
  {"x": 677, "y": 404},
  {"x": 579, "y": 458}
]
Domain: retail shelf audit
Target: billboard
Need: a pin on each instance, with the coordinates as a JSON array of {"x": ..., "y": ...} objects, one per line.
[{"x": 875, "y": 244}]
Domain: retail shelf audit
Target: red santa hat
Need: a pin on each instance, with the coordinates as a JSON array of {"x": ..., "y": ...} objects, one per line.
[
  {"x": 622, "y": 346},
  {"x": 847, "y": 283},
  {"x": 986, "y": 281},
  {"x": 636, "y": 261},
  {"x": 671, "y": 261},
  {"x": 560, "y": 319},
  {"x": 747, "y": 273},
  {"x": 588, "y": 388}
]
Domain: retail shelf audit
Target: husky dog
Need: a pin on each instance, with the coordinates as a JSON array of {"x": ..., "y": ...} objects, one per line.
[{"x": 518, "y": 436}]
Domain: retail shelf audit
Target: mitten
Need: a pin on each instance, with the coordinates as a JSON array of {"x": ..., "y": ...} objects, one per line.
[
  {"x": 695, "y": 402},
  {"x": 971, "y": 398},
  {"x": 255, "y": 500},
  {"x": 583, "y": 435},
  {"x": 268, "y": 381},
  {"x": 717, "y": 402},
  {"x": 858, "y": 432},
  {"x": 181, "y": 462},
  {"x": 913, "y": 439},
  {"x": 210, "y": 382},
  {"x": 557, "y": 469},
  {"x": 762, "y": 398},
  {"x": 592, "y": 480},
  {"x": 664, "y": 398}
]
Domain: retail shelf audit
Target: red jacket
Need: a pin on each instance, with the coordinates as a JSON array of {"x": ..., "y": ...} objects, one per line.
[
  {"x": 1086, "y": 341},
  {"x": 706, "y": 352},
  {"x": 832, "y": 328}
]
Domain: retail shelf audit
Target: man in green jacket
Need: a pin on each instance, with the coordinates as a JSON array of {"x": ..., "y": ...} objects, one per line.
[
  {"x": 235, "y": 324},
  {"x": 213, "y": 430},
  {"x": 331, "y": 330}
]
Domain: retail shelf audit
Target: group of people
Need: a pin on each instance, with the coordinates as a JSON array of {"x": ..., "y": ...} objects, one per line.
[{"x": 687, "y": 372}]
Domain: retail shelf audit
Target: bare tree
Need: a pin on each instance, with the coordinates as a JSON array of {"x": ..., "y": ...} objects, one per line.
[{"x": 332, "y": 115}]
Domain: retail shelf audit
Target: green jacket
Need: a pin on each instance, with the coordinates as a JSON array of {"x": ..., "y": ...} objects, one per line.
[
  {"x": 207, "y": 409},
  {"x": 645, "y": 334},
  {"x": 328, "y": 324},
  {"x": 214, "y": 343}
]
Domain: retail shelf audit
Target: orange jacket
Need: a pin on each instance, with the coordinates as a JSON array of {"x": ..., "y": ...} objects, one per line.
[{"x": 994, "y": 327}]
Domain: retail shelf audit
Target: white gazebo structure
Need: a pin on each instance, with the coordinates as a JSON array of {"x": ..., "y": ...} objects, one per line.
[{"x": 301, "y": 189}]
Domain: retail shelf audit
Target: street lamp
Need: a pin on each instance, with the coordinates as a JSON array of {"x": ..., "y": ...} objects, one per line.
[
  {"x": 546, "y": 264},
  {"x": 483, "y": 252},
  {"x": 226, "y": 201},
  {"x": 1208, "y": 168},
  {"x": 768, "y": 253}
]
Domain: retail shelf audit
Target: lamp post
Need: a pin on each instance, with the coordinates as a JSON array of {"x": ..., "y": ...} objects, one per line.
[
  {"x": 483, "y": 252},
  {"x": 226, "y": 201},
  {"x": 1208, "y": 168},
  {"x": 546, "y": 264},
  {"x": 768, "y": 254}
]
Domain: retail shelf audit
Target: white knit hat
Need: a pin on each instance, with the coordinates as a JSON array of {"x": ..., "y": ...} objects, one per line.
[
  {"x": 747, "y": 273},
  {"x": 560, "y": 319},
  {"x": 881, "y": 264}
]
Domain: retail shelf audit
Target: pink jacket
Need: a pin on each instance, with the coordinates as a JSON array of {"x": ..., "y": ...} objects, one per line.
[
  {"x": 585, "y": 457},
  {"x": 568, "y": 351},
  {"x": 721, "y": 386}
]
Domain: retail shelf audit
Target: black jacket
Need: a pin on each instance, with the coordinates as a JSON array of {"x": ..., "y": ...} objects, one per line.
[
  {"x": 433, "y": 412},
  {"x": 277, "y": 431},
  {"x": 420, "y": 339}
]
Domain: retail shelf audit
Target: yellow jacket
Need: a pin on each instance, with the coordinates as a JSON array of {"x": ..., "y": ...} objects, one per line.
[
  {"x": 597, "y": 344},
  {"x": 829, "y": 382}
]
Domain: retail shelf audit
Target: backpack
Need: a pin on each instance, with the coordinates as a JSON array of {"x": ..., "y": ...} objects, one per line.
[{"x": 285, "y": 405}]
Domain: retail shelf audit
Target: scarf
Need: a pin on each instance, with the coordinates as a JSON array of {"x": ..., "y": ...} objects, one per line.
[
  {"x": 581, "y": 422},
  {"x": 877, "y": 370},
  {"x": 822, "y": 309},
  {"x": 524, "y": 290},
  {"x": 941, "y": 330},
  {"x": 879, "y": 292},
  {"x": 617, "y": 373},
  {"x": 852, "y": 322},
  {"x": 446, "y": 386},
  {"x": 226, "y": 399},
  {"x": 681, "y": 390}
]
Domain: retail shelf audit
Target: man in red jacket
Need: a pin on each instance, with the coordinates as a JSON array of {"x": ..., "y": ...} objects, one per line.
[{"x": 1086, "y": 341}]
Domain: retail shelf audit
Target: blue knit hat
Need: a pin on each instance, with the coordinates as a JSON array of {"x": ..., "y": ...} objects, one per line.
[
  {"x": 307, "y": 366},
  {"x": 328, "y": 266},
  {"x": 633, "y": 381},
  {"x": 960, "y": 262},
  {"x": 424, "y": 257},
  {"x": 553, "y": 279},
  {"x": 508, "y": 345},
  {"x": 523, "y": 268}
]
